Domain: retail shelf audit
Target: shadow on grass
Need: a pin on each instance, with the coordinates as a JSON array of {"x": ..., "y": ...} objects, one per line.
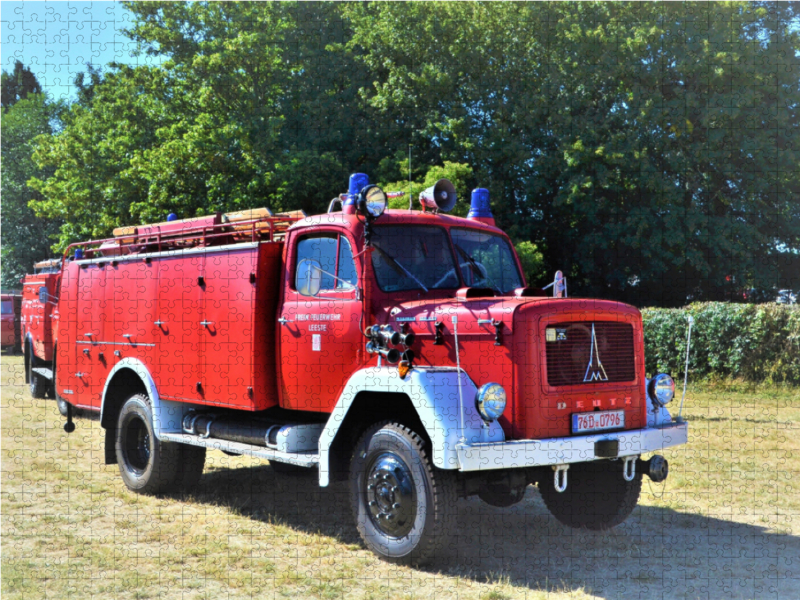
[{"x": 658, "y": 552}]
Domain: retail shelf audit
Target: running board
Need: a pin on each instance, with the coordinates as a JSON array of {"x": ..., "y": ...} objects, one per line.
[
  {"x": 46, "y": 373},
  {"x": 301, "y": 459}
]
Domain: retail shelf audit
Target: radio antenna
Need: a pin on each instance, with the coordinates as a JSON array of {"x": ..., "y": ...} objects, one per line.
[{"x": 410, "y": 195}]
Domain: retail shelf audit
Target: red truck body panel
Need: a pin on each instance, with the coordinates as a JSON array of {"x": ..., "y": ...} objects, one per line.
[
  {"x": 197, "y": 319},
  {"x": 10, "y": 321}
]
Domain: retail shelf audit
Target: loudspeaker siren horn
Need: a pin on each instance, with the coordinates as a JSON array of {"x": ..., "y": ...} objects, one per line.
[{"x": 440, "y": 196}]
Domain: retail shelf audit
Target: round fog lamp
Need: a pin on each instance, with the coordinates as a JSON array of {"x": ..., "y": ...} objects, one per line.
[
  {"x": 662, "y": 389},
  {"x": 491, "y": 401}
]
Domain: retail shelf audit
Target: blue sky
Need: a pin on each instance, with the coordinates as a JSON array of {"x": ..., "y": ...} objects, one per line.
[{"x": 57, "y": 39}]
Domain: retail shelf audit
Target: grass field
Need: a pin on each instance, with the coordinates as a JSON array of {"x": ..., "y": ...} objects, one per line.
[{"x": 725, "y": 525}]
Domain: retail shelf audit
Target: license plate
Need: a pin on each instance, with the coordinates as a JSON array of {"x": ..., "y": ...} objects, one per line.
[{"x": 598, "y": 421}]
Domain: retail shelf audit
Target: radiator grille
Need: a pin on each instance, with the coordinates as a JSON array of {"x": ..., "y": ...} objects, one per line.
[{"x": 569, "y": 355}]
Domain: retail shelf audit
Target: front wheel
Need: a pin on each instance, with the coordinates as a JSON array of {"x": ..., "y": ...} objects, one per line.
[
  {"x": 597, "y": 496},
  {"x": 404, "y": 507},
  {"x": 147, "y": 465}
]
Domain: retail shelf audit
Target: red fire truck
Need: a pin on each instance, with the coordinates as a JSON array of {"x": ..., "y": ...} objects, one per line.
[
  {"x": 399, "y": 350},
  {"x": 9, "y": 321},
  {"x": 39, "y": 301}
]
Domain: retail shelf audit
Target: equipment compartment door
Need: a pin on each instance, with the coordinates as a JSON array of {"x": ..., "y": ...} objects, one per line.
[
  {"x": 226, "y": 335},
  {"x": 177, "y": 339},
  {"x": 89, "y": 371}
]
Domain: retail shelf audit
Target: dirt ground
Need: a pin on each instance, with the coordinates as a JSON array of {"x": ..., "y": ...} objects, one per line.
[{"x": 725, "y": 525}]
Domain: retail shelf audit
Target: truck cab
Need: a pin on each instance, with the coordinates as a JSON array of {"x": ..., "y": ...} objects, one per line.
[{"x": 39, "y": 304}]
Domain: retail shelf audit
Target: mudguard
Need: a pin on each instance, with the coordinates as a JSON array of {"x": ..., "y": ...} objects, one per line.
[
  {"x": 167, "y": 415},
  {"x": 434, "y": 393}
]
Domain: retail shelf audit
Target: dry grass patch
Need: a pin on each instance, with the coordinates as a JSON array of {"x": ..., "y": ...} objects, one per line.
[{"x": 725, "y": 524}]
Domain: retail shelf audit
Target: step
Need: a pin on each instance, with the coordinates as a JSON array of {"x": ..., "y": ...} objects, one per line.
[
  {"x": 301, "y": 459},
  {"x": 46, "y": 373}
]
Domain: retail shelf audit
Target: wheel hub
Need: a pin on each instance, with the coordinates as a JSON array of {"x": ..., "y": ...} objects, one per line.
[
  {"x": 391, "y": 496},
  {"x": 137, "y": 445}
]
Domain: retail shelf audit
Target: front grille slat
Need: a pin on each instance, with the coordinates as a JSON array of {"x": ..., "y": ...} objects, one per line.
[{"x": 568, "y": 358}]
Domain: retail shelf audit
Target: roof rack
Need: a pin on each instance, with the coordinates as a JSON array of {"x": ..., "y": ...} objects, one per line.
[
  {"x": 52, "y": 265},
  {"x": 257, "y": 224}
]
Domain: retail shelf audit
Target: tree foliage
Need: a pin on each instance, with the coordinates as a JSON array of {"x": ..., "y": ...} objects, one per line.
[
  {"x": 645, "y": 149},
  {"x": 17, "y": 85},
  {"x": 26, "y": 115}
]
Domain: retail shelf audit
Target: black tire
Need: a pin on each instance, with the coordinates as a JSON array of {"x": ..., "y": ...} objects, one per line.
[
  {"x": 191, "y": 462},
  {"x": 413, "y": 524},
  {"x": 597, "y": 497},
  {"x": 38, "y": 386},
  {"x": 63, "y": 406},
  {"x": 147, "y": 465}
]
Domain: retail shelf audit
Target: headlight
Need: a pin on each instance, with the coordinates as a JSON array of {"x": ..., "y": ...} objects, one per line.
[
  {"x": 661, "y": 389},
  {"x": 491, "y": 401}
]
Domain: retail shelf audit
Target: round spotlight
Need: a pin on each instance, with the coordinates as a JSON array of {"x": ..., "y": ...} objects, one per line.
[
  {"x": 661, "y": 389},
  {"x": 372, "y": 201},
  {"x": 491, "y": 401}
]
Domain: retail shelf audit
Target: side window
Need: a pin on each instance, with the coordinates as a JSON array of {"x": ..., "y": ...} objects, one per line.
[
  {"x": 347, "y": 266},
  {"x": 321, "y": 248},
  {"x": 326, "y": 249}
]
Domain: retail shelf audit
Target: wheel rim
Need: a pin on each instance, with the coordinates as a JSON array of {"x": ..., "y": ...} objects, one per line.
[
  {"x": 391, "y": 495},
  {"x": 136, "y": 445}
]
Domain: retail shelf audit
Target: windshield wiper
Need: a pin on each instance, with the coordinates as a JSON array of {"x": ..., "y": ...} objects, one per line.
[
  {"x": 395, "y": 264},
  {"x": 476, "y": 269}
]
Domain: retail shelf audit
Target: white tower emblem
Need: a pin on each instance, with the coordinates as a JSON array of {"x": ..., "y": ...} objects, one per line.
[{"x": 594, "y": 372}]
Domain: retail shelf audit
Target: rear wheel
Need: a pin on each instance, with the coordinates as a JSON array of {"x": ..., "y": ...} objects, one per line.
[
  {"x": 38, "y": 386},
  {"x": 147, "y": 465},
  {"x": 597, "y": 496},
  {"x": 63, "y": 406},
  {"x": 404, "y": 507}
]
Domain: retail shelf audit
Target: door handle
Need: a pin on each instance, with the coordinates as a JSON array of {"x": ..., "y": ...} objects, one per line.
[
  {"x": 159, "y": 323},
  {"x": 206, "y": 323},
  {"x": 284, "y": 321}
]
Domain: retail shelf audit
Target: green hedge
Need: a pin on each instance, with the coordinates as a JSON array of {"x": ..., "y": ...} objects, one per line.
[{"x": 755, "y": 342}]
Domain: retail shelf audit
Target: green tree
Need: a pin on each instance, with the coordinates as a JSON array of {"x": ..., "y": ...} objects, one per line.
[
  {"x": 26, "y": 238},
  {"x": 644, "y": 148},
  {"x": 17, "y": 85}
]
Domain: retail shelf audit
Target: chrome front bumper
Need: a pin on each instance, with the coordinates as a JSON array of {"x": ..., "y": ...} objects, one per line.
[{"x": 559, "y": 451}]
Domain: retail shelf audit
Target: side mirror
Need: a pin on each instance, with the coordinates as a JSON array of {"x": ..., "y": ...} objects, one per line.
[
  {"x": 560, "y": 285},
  {"x": 43, "y": 295},
  {"x": 308, "y": 278}
]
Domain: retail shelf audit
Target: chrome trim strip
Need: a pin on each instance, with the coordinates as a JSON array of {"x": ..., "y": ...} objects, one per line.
[
  {"x": 168, "y": 253},
  {"x": 91, "y": 343},
  {"x": 302, "y": 459}
]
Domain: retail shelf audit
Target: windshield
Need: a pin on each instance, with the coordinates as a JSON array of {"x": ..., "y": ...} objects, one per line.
[
  {"x": 486, "y": 260},
  {"x": 413, "y": 258}
]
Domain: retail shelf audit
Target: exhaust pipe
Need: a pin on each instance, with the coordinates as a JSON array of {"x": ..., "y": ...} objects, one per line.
[
  {"x": 657, "y": 468},
  {"x": 231, "y": 430}
]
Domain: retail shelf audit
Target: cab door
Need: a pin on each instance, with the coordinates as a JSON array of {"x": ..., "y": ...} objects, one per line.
[{"x": 321, "y": 343}]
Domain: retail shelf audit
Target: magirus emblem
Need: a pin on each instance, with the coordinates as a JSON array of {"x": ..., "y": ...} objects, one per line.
[{"x": 595, "y": 370}]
